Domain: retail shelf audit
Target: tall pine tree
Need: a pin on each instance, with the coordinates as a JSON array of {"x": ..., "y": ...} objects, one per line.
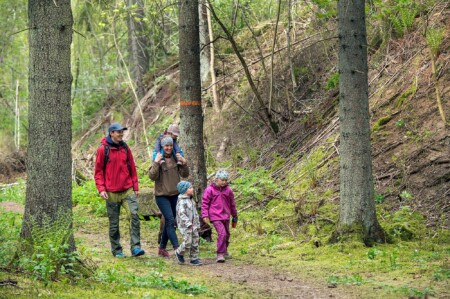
[{"x": 49, "y": 164}]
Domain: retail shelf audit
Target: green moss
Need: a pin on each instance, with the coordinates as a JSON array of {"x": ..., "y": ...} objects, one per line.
[
  {"x": 409, "y": 93},
  {"x": 380, "y": 123}
]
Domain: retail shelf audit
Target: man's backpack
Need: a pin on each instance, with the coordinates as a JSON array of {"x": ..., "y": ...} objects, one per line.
[{"x": 107, "y": 150}]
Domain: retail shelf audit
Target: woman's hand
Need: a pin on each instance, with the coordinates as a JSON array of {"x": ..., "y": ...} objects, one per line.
[{"x": 158, "y": 157}]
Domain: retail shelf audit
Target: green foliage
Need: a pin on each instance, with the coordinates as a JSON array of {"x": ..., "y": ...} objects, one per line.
[
  {"x": 10, "y": 225},
  {"x": 435, "y": 37},
  {"x": 50, "y": 255},
  {"x": 254, "y": 184},
  {"x": 401, "y": 15},
  {"x": 326, "y": 9},
  {"x": 15, "y": 193},
  {"x": 400, "y": 123},
  {"x": 379, "y": 198},
  {"x": 355, "y": 279},
  {"x": 87, "y": 194},
  {"x": 115, "y": 275},
  {"x": 332, "y": 82}
]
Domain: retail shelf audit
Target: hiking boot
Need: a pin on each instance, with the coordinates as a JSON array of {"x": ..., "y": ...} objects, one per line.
[
  {"x": 120, "y": 255},
  {"x": 196, "y": 262},
  {"x": 163, "y": 252},
  {"x": 180, "y": 258},
  {"x": 137, "y": 251},
  {"x": 220, "y": 258}
]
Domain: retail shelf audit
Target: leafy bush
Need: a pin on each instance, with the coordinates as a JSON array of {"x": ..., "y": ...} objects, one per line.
[
  {"x": 50, "y": 255},
  {"x": 10, "y": 225},
  {"x": 87, "y": 194}
]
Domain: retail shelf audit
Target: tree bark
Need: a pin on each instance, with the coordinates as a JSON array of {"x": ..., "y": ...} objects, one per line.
[
  {"x": 217, "y": 104},
  {"x": 204, "y": 41},
  {"x": 49, "y": 186},
  {"x": 137, "y": 44},
  {"x": 191, "y": 114},
  {"x": 357, "y": 205}
]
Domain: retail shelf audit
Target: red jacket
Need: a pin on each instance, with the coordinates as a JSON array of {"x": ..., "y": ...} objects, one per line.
[{"x": 118, "y": 177}]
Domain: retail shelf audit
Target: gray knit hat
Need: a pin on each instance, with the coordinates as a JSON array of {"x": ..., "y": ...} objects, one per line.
[{"x": 166, "y": 140}]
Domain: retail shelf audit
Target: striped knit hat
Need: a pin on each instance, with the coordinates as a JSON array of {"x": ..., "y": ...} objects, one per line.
[{"x": 183, "y": 187}]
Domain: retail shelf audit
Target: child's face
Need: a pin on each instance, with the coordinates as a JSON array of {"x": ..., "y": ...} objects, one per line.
[
  {"x": 174, "y": 137},
  {"x": 221, "y": 182},
  {"x": 190, "y": 191}
]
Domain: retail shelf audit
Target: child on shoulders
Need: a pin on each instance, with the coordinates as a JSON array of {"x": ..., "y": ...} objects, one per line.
[
  {"x": 218, "y": 206},
  {"x": 188, "y": 224},
  {"x": 172, "y": 131}
]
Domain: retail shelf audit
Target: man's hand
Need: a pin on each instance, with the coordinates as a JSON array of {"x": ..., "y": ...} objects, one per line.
[
  {"x": 158, "y": 157},
  {"x": 181, "y": 158},
  {"x": 136, "y": 193},
  {"x": 104, "y": 195},
  {"x": 206, "y": 220}
]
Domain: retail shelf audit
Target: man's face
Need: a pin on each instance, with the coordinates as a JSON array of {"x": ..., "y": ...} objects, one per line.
[
  {"x": 168, "y": 149},
  {"x": 117, "y": 136}
]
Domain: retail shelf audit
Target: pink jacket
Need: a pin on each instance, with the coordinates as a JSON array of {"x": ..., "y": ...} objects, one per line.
[{"x": 218, "y": 203}]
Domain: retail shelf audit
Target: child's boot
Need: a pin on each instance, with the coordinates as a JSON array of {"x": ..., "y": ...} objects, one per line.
[{"x": 220, "y": 258}]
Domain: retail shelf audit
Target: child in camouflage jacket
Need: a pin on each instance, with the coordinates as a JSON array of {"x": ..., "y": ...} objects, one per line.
[{"x": 188, "y": 224}]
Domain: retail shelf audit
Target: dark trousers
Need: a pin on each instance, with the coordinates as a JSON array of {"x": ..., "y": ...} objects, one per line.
[
  {"x": 168, "y": 207},
  {"x": 113, "y": 209}
]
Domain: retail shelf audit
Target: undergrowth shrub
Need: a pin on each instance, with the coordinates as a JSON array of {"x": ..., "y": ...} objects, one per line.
[
  {"x": 10, "y": 225},
  {"x": 87, "y": 194},
  {"x": 15, "y": 193},
  {"x": 49, "y": 256}
]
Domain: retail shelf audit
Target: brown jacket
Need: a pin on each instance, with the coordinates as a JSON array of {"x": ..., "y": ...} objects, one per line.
[{"x": 167, "y": 176}]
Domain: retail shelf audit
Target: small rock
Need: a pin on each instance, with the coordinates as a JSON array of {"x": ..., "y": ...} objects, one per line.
[
  {"x": 332, "y": 286},
  {"x": 289, "y": 279}
]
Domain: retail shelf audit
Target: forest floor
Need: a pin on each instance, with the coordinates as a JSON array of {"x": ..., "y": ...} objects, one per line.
[{"x": 242, "y": 276}]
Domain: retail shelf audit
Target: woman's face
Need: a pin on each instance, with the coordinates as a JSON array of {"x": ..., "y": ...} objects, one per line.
[{"x": 168, "y": 149}]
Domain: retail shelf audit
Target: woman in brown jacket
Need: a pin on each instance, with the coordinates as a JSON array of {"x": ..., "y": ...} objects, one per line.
[{"x": 166, "y": 177}]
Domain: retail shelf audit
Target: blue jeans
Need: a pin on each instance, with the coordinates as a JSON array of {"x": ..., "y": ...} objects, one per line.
[{"x": 168, "y": 207}]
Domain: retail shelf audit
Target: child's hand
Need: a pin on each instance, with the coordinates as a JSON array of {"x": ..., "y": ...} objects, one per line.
[
  {"x": 158, "y": 157},
  {"x": 206, "y": 220},
  {"x": 181, "y": 158}
]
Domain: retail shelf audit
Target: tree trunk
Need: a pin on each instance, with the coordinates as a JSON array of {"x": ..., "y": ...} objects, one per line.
[
  {"x": 204, "y": 41},
  {"x": 191, "y": 113},
  {"x": 357, "y": 206},
  {"x": 137, "y": 44},
  {"x": 49, "y": 186},
  {"x": 217, "y": 104}
]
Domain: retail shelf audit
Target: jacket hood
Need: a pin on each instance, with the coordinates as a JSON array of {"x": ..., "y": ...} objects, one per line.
[{"x": 108, "y": 141}]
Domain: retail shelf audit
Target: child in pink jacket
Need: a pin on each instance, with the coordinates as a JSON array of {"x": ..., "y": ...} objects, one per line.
[{"x": 218, "y": 206}]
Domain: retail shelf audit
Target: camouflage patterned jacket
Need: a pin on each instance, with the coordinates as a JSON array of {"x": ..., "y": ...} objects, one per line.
[{"x": 187, "y": 213}]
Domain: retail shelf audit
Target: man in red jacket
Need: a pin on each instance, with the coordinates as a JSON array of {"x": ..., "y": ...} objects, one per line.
[{"x": 117, "y": 182}]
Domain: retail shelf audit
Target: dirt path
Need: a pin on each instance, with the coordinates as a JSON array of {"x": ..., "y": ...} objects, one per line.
[{"x": 242, "y": 279}]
